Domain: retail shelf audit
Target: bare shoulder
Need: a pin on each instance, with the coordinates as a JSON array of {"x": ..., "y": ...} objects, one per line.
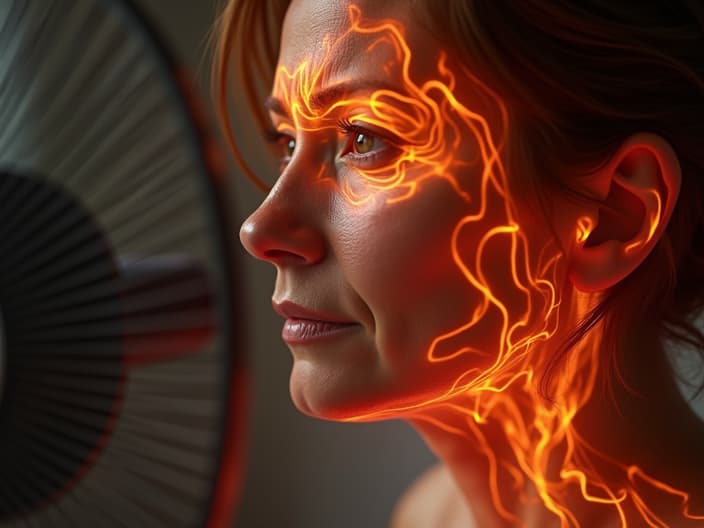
[{"x": 433, "y": 501}]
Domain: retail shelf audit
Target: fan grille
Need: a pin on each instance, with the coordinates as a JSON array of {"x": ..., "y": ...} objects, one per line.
[{"x": 115, "y": 280}]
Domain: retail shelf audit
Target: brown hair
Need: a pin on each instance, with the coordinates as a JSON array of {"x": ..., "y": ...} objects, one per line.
[
  {"x": 247, "y": 43},
  {"x": 578, "y": 79}
]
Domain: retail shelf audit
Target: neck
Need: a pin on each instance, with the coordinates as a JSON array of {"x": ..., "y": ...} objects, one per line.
[{"x": 634, "y": 450}]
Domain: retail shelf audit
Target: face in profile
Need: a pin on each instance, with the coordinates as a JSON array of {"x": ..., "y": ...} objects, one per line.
[{"x": 404, "y": 273}]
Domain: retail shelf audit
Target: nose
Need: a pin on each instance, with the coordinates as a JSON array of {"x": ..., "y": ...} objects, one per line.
[{"x": 283, "y": 230}]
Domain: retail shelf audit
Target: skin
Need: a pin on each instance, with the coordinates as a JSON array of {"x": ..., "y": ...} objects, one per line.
[
  {"x": 356, "y": 261},
  {"x": 387, "y": 266}
]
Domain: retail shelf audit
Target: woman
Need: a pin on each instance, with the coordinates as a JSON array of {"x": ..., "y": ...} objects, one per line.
[{"x": 489, "y": 221}]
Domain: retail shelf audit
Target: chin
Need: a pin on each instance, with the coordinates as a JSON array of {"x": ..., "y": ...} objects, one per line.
[
  {"x": 336, "y": 394},
  {"x": 352, "y": 396},
  {"x": 323, "y": 407}
]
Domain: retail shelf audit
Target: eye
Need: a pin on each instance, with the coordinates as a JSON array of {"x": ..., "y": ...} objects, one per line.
[
  {"x": 288, "y": 145},
  {"x": 363, "y": 146},
  {"x": 284, "y": 143},
  {"x": 363, "y": 142}
]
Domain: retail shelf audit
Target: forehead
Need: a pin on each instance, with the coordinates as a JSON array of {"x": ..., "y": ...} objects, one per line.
[{"x": 317, "y": 32}]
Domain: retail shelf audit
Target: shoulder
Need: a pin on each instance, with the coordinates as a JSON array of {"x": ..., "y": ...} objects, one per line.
[{"x": 433, "y": 501}]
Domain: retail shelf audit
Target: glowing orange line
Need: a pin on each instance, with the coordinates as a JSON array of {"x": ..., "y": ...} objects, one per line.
[
  {"x": 653, "y": 222},
  {"x": 432, "y": 125}
]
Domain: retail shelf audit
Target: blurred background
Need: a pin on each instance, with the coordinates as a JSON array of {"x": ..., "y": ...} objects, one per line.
[{"x": 301, "y": 472}]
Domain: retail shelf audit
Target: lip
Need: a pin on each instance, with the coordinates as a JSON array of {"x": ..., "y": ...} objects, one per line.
[
  {"x": 304, "y": 325},
  {"x": 291, "y": 310}
]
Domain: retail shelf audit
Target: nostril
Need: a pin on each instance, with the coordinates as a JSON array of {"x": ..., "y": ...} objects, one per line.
[{"x": 279, "y": 256}]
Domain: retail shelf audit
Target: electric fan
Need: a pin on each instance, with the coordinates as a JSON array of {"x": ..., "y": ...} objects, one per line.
[{"x": 120, "y": 382}]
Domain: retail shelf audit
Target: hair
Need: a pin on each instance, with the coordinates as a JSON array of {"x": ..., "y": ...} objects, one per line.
[{"x": 578, "y": 79}]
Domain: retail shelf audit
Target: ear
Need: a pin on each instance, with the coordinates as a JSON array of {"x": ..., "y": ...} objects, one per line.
[{"x": 638, "y": 190}]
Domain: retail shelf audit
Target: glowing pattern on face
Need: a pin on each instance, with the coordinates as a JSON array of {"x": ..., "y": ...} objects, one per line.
[{"x": 395, "y": 143}]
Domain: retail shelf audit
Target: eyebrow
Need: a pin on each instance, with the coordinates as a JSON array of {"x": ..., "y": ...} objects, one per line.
[{"x": 325, "y": 97}]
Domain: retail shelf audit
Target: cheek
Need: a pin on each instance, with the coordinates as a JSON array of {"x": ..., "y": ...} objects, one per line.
[{"x": 398, "y": 258}]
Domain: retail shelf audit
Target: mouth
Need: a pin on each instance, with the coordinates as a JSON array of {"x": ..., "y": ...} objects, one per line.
[
  {"x": 304, "y": 331},
  {"x": 305, "y": 325}
]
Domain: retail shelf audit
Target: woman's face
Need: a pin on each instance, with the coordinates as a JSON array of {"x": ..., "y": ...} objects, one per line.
[{"x": 401, "y": 270}]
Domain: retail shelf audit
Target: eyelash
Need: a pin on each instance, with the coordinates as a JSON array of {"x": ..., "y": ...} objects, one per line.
[
  {"x": 275, "y": 137},
  {"x": 351, "y": 130},
  {"x": 345, "y": 126},
  {"x": 348, "y": 129}
]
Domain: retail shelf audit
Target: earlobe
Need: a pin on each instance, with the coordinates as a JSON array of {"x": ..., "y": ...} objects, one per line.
[{"x": 639, "y": 189}]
